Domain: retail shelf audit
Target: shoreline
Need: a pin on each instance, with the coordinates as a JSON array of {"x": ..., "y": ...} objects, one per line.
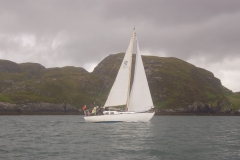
[
  {"x": 2, "y": 113},
  {"x": 43, "y": 108},
  {"x": 195, "y": 114}
]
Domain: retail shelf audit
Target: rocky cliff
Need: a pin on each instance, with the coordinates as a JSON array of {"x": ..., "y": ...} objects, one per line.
[
  {"x": 37, "y": 108},
  {"x": 9, "y": 67}
]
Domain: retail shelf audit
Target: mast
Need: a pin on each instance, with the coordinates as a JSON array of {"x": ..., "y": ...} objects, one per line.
[{"x": 130, "y": 68}]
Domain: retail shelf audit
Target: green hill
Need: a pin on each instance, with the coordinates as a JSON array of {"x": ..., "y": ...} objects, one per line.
[
  {"x": 234, "y": 98},
  {"x": 174, "y": 84}
]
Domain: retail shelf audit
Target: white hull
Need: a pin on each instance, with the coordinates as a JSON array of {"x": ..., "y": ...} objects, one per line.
[{"x": 132, "y": 117}]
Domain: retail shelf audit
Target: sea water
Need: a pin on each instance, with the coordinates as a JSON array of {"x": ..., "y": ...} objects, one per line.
[{"x": 164, "y": 137}]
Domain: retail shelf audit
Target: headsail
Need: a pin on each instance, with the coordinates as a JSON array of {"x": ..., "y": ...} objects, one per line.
[
  {"x": 120, "y": 90},
  {"x": 140, "y": 98}
]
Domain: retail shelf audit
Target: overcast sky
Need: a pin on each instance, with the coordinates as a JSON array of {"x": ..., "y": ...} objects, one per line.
[{"x": 57, "y": 33}]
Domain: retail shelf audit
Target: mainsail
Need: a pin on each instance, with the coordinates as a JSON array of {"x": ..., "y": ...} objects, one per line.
[
  {"x": 120, "y": 90},
  {"x": 140, "y": 98}
]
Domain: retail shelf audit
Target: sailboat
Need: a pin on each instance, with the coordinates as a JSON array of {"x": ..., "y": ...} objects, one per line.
[{"x": 138, "y": 100}]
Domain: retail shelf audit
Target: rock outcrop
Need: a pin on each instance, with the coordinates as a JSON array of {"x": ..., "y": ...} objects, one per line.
[
  {"x": 32, "y": 68},
  {"x": 9, "y": 67},
  {"x": 37, "y": 108},
  {"x": 199, "y": 108}
]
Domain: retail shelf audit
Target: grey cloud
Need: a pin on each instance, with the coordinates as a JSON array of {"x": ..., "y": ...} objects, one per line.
[{"x": 81, "y": 32}]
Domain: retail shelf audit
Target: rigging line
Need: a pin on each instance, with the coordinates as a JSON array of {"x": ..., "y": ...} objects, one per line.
[{"x": 104, "y": 81}]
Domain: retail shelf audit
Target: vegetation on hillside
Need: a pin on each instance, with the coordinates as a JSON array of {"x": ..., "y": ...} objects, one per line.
[
  {"x": 234, "y": 98},
  {"x": 173, "y": 83}
]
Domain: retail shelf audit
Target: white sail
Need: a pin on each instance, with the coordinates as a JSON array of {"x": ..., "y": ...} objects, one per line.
[
  {"x": 140, "y": 98},
  {"x": 120, "y": 90}
]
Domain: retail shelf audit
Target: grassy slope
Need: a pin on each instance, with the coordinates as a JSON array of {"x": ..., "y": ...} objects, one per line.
[
  {"x": 173, "y": 84},
  {"x": 180, "y": 84},
  {"x": 56, "y": 85},
  {"x": 235, "y": 100}
]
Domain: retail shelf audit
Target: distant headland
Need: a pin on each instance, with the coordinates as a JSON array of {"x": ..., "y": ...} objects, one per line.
[{"x": 177, "y": 88}]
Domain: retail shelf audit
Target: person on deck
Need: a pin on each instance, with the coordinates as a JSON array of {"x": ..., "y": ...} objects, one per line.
[
  {"x": 94, "y": 111},
  {"x": 88, "y": 113},
  {"x": 100, "y": 111}
]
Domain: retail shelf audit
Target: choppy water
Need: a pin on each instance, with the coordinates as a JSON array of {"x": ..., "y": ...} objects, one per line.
[{"x": 165, "y": 137}]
